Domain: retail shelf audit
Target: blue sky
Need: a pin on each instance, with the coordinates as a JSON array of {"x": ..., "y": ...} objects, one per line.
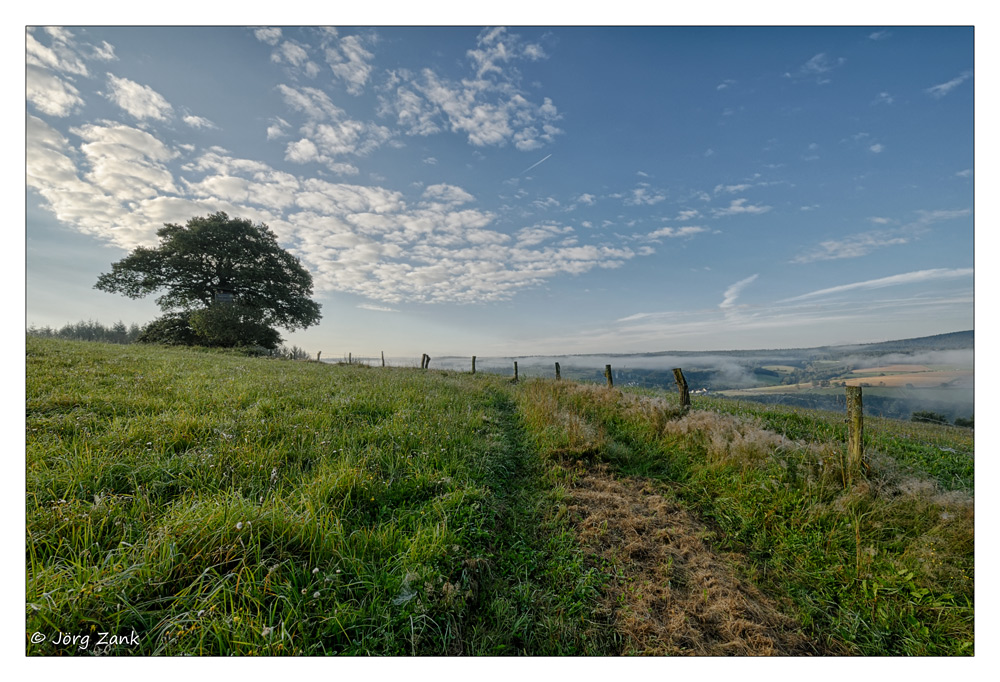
[{"x": 510, "y": 191}]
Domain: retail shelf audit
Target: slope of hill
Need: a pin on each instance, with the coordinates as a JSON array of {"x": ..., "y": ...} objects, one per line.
[{"x": 199, "y": 503}]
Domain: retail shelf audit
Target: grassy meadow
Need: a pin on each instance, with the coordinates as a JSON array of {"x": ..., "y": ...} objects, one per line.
[{"x": 189, "y": 502}]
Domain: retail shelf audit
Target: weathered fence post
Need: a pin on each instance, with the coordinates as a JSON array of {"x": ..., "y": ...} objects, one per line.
[
  {"x": 607, "y": 375},
  {"x": 515, "y": 371},
  {"x": 425, "y": 361},
  {"x": 383, "y": 358},
  {"x": 473, "y": 364},
  {"x": 855, "y": 428},
  {"x": 348, "y": 358},
  {"x": 682, "y": 387},
  {"x": 317, "y": 355},
  {"x": 557, "y": 372}
]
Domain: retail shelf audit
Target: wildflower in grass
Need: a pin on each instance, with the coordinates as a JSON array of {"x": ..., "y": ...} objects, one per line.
[
  {"x": 315, "y": 595},
  {"x": 304, "y": 590},
  {"x": 239, "y": 526},
  {"x": 265, "y": 632},
  {"x": 315, "y": 571}
]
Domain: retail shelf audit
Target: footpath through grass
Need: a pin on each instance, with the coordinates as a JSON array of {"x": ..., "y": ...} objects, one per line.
[
  {"x": 215, "y": 504},
  {"x": 881, "y": 565},
  {"x": 189, "y": 502}
]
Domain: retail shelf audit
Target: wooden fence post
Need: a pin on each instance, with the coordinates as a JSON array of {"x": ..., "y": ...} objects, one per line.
[
  {"x": 607, "y": 375},
  {"x": 348, "y": 358},
  {"x": 557, "y": 372},
  {"x": 473, "y": 364},
  {"x": 425, "y": 361},
  {"x": 682, "y": 387},
  {"x": 855, "y": 429},
  {"x": 317, "y": 355},
  {"x": 383, "y": 358},
  {"x": 515, "y": 371}
]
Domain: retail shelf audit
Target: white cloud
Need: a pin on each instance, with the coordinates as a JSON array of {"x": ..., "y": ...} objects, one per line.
[
  {"x": 863, "y": 243},
  {"x": 734, "y": 291},
  {"x": 49, "y": 93},
  {"x": 879, "y": 35},
  {"x": 853, "y": 246},
  {"x": 271, "y": 36},
  {"x": 496, "y": 47},
  {"x": 643, "y": 196},
  {"x": 877, "y": 148},
  {"x": 312, "y": 102},
  {"x": 448, "y": 194},
  {"x": 279, "y": 128},
  {"x": 917, "y": 277},
  {"x": 732, "y": 189},
  {"x": 738, "y": 206},
  {"x": 293, "y": 54},
  {"x": 942, "y": 89},
  {"x": 819, "y": 65},
  {"x": 60, "y": 56},
  {"x": 489, "y": 108},
  {"x": 675, "y": 232},
  {"x": 350, "y": 62},
  {"x": 536, "y": 234},
  {"x": 199, "y": 122},
  {"x": 140, "y": 101}
]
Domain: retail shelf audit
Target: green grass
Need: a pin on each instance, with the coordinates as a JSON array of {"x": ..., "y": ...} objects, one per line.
[
  {"x": 882, "y": 566},
  {"x": 215, "y": 504}
]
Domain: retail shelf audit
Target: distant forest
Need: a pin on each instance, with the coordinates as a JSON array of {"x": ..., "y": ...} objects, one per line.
[
  {"x": 90, "y": 331},
  {"x": 120, "y": 333}
]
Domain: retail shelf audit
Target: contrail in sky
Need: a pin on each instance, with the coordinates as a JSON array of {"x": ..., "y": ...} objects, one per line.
[{"x": 533, "y": 165}]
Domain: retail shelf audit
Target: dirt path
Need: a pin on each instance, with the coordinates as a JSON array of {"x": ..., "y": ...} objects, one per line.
[{"x": 673, "y": 594}]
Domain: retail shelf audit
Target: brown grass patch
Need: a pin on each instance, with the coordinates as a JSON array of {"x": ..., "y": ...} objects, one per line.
[
  {"x": 921, "y": 379},
  {"x": 673, "y": 595}
]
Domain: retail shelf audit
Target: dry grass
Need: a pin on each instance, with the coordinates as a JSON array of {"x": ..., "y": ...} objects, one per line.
[
  {"x": 673, "y": 595},
  {"x": 917, "y": 379}
]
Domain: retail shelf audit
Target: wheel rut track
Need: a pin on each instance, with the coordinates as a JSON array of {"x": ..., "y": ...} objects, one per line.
[{"x": 672, "y": 593}]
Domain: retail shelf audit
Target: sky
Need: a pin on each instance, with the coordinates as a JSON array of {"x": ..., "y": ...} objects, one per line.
[{"x": 505, "y": 191}]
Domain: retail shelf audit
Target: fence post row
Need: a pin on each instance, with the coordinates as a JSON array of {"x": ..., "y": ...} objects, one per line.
[{"x": 682, "y": 387}]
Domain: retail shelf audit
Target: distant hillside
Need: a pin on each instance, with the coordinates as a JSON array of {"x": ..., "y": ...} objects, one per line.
[{"x": 952, "y": 341}]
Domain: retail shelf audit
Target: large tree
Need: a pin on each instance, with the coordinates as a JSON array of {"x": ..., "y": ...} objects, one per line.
[{"x": 218, "y": 261}]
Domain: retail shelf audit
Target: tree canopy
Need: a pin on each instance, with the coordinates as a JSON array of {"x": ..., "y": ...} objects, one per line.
[{"x": 196, "y": 262}]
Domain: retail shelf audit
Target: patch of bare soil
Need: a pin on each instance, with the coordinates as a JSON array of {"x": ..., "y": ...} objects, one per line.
[{"x": 674, "y": 595}]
